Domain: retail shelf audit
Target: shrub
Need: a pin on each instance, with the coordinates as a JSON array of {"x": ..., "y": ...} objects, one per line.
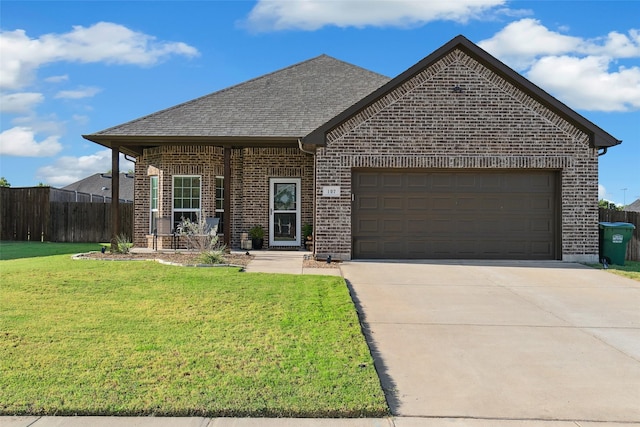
[
  {"x": 204, "y": 239},
  {"x": 123, "y": 243}
]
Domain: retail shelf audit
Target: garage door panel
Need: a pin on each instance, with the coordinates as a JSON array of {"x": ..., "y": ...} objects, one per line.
[
  {"x": 391, "y": 181},
  {"x": 454, "y": 214},
  {"x": 417, "y": 203},
  {"x": 442, "y": 203},
  {"x": 392, "y": 226},
  {"x": 392, "y": 202},
  {"x": 369, "y": 226},
  {"x": 365, "y": 181},
  {"x": 367, "y": 203}
]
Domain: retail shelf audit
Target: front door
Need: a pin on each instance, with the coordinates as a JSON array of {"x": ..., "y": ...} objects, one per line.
[{"x": 284, "y": 212}]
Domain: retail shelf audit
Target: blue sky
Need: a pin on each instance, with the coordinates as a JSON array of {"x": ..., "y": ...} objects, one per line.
[{"x": 77, "y": 67}]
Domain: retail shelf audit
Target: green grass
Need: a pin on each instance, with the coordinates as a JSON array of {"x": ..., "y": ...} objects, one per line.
[
  {"x": 15, "y": 250},
  {"x": 630, "y": 269},
  {"x": 93, "y": 337}
]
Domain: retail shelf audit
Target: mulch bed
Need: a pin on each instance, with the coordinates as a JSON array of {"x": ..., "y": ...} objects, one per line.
[
  {"x": 181, "y": 258},
  {"x": 187, "y": 258}
]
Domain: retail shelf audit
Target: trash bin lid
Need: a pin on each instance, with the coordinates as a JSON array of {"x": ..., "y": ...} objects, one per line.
[{"x": 617, "y": 225}]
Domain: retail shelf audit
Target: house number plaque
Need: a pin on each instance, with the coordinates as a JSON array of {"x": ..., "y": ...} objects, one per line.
[{"x": 330, "y": 191}]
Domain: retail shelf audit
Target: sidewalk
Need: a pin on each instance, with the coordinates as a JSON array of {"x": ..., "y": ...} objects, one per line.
[
  {"x": 287, "y": 262},
  {"x": 288, "y": 422}
]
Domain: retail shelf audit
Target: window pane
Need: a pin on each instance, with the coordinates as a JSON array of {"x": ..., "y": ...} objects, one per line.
[{"x": 285, "y": 197}]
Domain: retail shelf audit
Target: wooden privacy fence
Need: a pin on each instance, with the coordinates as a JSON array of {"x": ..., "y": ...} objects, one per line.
[
  {"x": 633, "y": 247},
  {"x": 29, "y": 214}
]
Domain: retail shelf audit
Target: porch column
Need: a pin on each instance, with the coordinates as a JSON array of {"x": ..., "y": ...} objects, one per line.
[
  {"x": 115, "y": 195},
  {"x": 226, "y": 225}
]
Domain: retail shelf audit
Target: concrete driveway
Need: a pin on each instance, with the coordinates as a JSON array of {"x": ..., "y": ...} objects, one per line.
[{"x": 502, "y": 340}]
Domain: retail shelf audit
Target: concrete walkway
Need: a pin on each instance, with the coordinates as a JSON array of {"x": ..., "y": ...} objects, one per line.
[{"x": 286, "y": 262}]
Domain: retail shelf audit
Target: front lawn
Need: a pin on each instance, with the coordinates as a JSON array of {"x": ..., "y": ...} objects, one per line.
[
  {"x": 139, "y": 338},
  {"x": 630, "y": 269},
  {"x": 15, "y": 250}
]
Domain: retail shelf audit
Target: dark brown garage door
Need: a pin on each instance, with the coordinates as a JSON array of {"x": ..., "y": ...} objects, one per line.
[{"x": 455, "y": 214}]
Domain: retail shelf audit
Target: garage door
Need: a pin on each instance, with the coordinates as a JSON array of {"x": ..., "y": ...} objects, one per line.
[{"x": 454, "y": 214}]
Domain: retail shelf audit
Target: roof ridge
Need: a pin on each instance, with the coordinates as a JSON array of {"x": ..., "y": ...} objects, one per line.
[{"x": 226, "y": 89}]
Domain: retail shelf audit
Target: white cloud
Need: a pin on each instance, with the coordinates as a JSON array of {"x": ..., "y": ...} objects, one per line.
[
  {"x": 580, "y": 72},
  {"x": 102, "y": 42},
  {"x": 69, "y": 169},
  {"x": 83, "y": 92},
  {"x": 587, "y": 83},
  {"x": 19, "y": 103},
  {"x": 20, "y": 141},
  {"x": 57, "y": 79},
  {"x": 311, "y": 15}
]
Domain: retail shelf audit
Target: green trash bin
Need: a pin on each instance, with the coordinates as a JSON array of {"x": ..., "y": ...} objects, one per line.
[{"x": 614, "y": 237}]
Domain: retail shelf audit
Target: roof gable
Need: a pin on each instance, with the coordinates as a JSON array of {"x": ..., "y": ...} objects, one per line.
[
  {"x": 288, "y": 103},
  {"x": 598, "y": 137}
]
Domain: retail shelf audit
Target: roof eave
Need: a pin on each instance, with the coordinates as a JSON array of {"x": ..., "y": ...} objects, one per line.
[{"x": 134, "y": 145}]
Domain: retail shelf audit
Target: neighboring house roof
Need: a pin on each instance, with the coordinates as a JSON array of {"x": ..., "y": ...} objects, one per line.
[
  {"x": 599, "y": 137},
  {"x": 633, "y": 207},
  {"x": 100, "y": 184},
  {"x": 284, "y": 105}
]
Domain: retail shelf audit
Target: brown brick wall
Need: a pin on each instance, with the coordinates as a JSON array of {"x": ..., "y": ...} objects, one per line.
[
  {"x": 491, "y": 124},
  {"x": 251, "y": 169}
]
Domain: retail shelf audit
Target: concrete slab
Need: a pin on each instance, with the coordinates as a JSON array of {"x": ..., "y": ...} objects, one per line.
[
  {"x": 507, "y": 372},
  {"x": 322, "y": 271},
  {"x": 469, "y": 422},
  {"x": 454, "y": 304},
  {"x": 303, "y": 422},
  {"x": 506, "y": 341},
  {"x": 121, "y": 422},
  {"x": 17, "y": 421},
  {"x": 283, "y": 262}
]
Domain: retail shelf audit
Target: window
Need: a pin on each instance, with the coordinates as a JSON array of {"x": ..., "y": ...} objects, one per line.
[
  {"x": 220, "y": 202},
  {"x": 186, "y": 199},
  {"x": 153, "y": 203}
]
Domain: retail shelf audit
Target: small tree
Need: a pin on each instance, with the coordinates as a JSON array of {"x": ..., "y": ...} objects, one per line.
[
  {"x": 605, "y": 204},
  {"x": 4, "y": 182}
]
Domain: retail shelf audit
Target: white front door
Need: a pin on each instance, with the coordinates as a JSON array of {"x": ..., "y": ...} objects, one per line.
[{"x": 284, "y": 212}]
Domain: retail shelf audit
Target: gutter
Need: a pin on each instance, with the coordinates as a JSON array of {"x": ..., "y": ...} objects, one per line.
[{"x": 302, "y": 149}]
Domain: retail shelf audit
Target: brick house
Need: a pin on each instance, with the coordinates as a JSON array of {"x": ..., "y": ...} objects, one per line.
[{"x": 458, "y": 157}]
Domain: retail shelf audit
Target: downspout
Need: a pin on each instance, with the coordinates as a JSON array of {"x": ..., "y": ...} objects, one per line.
[{"x": 604, "y": 151}]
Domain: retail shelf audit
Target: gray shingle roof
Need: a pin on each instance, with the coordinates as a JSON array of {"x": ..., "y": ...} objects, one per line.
[
  {"x": 287, "y": 103},
  {"x": 100, "y": 184},
  {"x": 633, "y": 207}
]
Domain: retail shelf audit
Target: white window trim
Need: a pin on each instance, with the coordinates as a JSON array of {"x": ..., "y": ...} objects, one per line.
[
  {"x": 174, "y": 210},
  {"x": 151, "y": 209}
]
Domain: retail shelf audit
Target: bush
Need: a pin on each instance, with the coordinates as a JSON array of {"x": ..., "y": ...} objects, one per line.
[
  {"x": 213, "y": 257},
  {"x": 204, "y": 239},
  {"x": 123, "y": 243}
]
